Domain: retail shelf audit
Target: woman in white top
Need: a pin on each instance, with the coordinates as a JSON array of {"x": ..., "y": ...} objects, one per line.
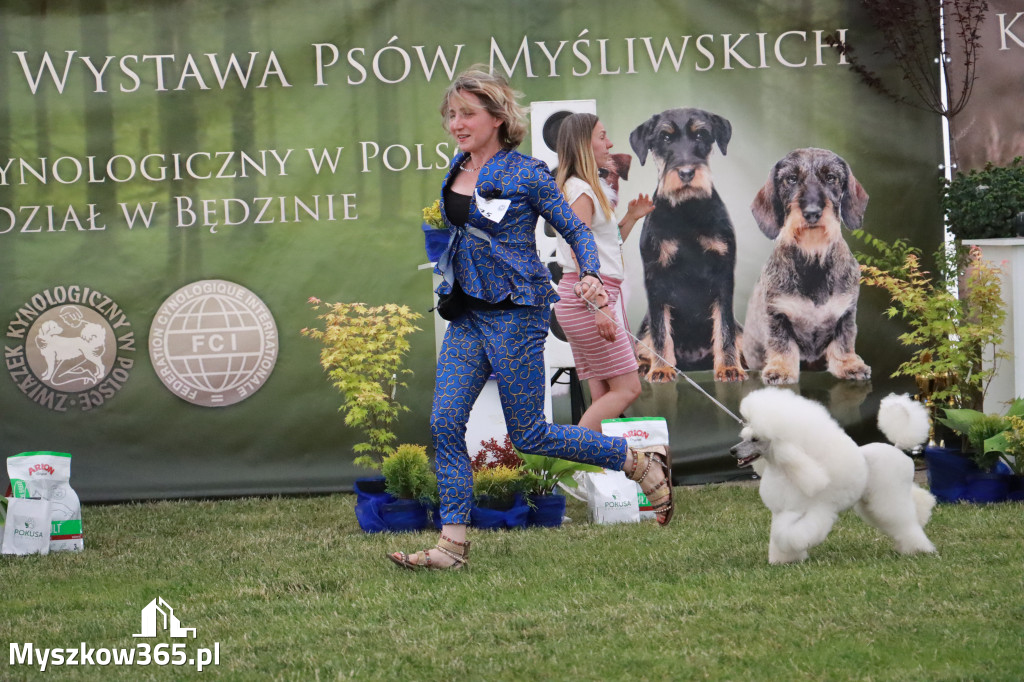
[{"x": 603, "y": 353}]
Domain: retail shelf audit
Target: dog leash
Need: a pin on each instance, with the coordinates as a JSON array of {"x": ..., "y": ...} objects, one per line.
[{"x": 597, "y": 309}]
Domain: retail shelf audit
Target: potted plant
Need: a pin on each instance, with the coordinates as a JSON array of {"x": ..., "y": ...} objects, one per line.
[
  {"x": 409, "y": 480},
  {"x": 984, "y": 445},
  {"x": 1011, "y": 441},
  {"x": 497, "y": 487},
  {"x": 435, "y": 233},
  {"x": 498, "y": 499},
  {"x": 955, "y": 317},
  {"x": 362, "y": 351},
  {"x": 542, "y": 476}
]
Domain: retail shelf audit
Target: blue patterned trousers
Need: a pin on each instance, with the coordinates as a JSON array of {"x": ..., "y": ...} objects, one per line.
[{"x": 509, "y": 343}]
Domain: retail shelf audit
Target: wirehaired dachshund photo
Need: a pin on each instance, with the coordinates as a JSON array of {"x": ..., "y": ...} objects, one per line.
[
  {"x": 803, "y": 310},
  {"x": 688, "y": 251}
]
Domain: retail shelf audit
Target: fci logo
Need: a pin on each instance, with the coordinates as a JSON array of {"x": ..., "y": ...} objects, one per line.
[{"x": 213, "y": 343}]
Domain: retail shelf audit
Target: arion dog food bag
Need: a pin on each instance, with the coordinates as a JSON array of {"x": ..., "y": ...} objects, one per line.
[
  {"x": 640, "y": 432},
  {"x": 47, "y": 475}
]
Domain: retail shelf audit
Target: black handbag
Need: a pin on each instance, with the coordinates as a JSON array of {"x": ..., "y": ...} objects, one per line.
[{"x": 453, "y": 305}]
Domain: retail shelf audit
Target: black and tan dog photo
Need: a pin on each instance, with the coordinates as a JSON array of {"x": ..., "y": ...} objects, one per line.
[
  {"x": 803, "y": 310},
  {"x": 688, "y": 251}
]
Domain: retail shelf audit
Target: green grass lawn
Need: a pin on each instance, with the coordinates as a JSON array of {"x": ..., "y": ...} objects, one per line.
[{"x": 291, "y": 589}]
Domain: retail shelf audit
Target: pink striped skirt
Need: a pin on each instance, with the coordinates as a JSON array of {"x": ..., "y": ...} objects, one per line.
[{"x": 595, "y": 357}]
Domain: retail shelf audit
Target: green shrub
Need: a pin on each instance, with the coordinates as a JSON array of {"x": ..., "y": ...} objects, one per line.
[
  {"x": 987, "y": 438},
  {"x": 407, "y": 473},
  {"x": 988, "y": 426},
  {"x": 1013, "y": 444},
  {"x": 498, "y": 484},
  {"x": 986, "y": 204},
  {"x": 948, "y": 332}
]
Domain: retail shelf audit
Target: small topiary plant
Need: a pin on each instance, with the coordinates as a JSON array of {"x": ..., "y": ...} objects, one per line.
[
  {"x": 407, "y": 473},
  {"x": 497, "y": 486}
]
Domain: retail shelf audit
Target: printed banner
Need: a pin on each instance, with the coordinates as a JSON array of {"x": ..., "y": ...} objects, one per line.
[
  {"x": 990, "y": 128},
  {"x": 177, "y": 180}
]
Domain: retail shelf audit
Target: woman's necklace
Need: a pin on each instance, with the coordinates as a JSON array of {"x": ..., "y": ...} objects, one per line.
[{"x": 462, "y": 165}]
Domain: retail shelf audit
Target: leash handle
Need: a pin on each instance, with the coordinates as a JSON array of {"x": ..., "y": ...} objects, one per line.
[{"x": 600, "y": 309}]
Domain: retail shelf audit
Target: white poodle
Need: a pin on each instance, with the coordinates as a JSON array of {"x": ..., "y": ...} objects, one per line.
[{"x": 811, "y": 471}]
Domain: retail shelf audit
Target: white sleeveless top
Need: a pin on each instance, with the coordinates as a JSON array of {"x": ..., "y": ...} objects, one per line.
[{"x": 605, "y": 229}]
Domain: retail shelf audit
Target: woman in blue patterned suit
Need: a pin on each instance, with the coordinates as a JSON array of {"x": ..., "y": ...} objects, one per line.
[{"x": 498, "y": 301}]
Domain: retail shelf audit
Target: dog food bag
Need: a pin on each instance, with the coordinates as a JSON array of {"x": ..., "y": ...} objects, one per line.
[
  {"x": 47, "y": 475},
  {"x": 3, "y": 519},
  {"x": 27, "y": 530},
  {"x": 611, "y": 497},
  {"x": 640, "y": 432}
]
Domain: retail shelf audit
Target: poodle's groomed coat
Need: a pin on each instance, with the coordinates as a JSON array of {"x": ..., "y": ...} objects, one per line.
[{"x": 811, "y": 471}]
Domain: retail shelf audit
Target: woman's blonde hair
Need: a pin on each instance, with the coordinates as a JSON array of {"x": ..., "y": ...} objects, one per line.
[
  {"x": 498, "y": 99},
  {"x": 576, "y": 157}
]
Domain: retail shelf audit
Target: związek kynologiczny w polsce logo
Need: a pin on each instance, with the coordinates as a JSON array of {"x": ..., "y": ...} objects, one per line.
[
  {"x": 69, "y": 346},
  {"x": 156, "y": 617}
]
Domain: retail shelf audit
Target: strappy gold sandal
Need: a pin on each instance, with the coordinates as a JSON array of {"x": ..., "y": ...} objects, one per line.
[
  {"x": 660, "y": 495},
  {"x": 457, "y": 551}
]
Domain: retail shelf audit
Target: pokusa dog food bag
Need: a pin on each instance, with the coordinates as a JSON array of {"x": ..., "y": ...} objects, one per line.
[
  {"x": 3, "y": 519},
  {"x": 27, "y": 530},
  {"x": 47, "y": 475},
  {"x": 640, "y": 432},
  {"x": 611, "y": 497}
]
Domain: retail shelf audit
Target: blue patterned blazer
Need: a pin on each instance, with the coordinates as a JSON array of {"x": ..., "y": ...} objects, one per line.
[{"x": 495, "y": 260}]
